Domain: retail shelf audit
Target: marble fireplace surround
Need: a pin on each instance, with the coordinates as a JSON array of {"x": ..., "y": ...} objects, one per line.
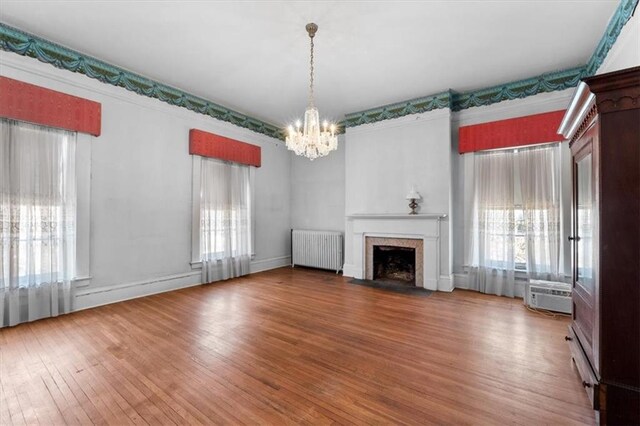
[
  {"x": 424, "y": 227},
  {"x": 414, "y": 243}
]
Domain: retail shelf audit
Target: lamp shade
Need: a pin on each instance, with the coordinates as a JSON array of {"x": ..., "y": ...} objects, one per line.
[{"x": 413, "y": 194}]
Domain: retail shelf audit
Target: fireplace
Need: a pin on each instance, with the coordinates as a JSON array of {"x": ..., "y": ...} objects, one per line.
[
  {"x": 394, "y": 264},
  {"x": 395, "y": 260}
]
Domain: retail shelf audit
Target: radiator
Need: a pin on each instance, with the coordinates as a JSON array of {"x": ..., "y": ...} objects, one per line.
[{"x": 318, "y": 249}]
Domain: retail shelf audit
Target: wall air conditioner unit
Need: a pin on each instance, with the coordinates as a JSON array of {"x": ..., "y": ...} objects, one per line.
[{"x": 548, "y": 295}]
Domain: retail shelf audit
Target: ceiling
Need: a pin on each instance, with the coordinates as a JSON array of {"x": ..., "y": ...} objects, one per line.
[{"x": 253, "y": 56}]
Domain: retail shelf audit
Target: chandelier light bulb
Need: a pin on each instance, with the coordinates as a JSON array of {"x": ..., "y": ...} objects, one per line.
[{"x": 311, "y": 141}]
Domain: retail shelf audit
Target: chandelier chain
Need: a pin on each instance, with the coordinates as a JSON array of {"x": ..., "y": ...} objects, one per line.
[{"x": 311, "y": 75}]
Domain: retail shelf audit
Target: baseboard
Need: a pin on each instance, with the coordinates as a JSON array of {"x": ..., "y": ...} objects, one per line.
[
  {"x": 351, "y": 271},
  {"x": 445, "y": 283},
  {"x": 267, "y": 264},
  {"x": 87, "y": 297},
  {"x": 92, "y": 297},
  {"x": 461, "y": 281}
]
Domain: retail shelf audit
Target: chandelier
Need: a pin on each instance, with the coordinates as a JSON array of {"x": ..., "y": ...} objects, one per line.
[{"x": 312, "y": 140}]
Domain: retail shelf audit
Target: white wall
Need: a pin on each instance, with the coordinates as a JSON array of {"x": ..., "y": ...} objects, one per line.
[
  {"x": 317, "y": 193},
  {"x": 140, "y": 189},
  {"x": 625, "y": 53},
  {"x": 385, "y": 159}
]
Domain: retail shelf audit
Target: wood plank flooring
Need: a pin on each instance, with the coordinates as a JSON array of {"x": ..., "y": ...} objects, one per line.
[{"x": 292, "y": 347}]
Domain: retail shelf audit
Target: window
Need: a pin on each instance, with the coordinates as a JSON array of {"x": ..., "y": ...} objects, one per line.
[
  {"x": 516, "y": 213},
  {"x": 41, "y": 233},
  {"x": 224, "y": 227},
  {"x": 501, "y": 232},
  {"x": 223, "y": 218},
  {"x": 37, "y": 221}
]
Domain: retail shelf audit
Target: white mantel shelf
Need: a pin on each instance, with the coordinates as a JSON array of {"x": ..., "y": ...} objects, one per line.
[{"x": 398, "y": 216}]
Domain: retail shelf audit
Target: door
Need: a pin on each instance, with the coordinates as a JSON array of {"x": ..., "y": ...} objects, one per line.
[{"x": 584, "y": 229}]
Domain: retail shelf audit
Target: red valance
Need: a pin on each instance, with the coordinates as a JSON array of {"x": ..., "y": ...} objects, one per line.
[
  {"x": 27, "y": 102},
  {"x": 216, "y": 146},
  {"x": 528, "y": 130}
]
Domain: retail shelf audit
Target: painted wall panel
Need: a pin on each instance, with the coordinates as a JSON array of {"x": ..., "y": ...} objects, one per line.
[{"x": 318, "y": 197}]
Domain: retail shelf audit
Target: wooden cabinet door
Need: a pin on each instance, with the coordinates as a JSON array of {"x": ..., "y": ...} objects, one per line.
[{"x": 584, "y": 241}]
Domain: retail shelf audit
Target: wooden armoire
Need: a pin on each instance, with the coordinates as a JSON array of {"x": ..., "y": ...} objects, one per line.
[{"x": 603, "y": 127}]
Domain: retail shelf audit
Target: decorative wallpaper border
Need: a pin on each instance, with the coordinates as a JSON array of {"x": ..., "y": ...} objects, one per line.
[
  {"x": 400, "y": 109},
  {"x": 22, "y": 43},
  {"x": 620, "y": 18},
  {"x": 548, "y": 82}
]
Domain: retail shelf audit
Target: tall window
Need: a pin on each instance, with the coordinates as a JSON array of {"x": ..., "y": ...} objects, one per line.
[
  {"x": 37, "y": 221},
  {"x": 516, "y": 217},
  {"x": 225, "y": 219}
]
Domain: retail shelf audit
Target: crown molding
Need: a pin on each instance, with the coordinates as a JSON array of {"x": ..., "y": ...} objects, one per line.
[
  {"x": 542, "y": 102},
  {"x": 549, "y": 82},
  {"x": 404, "y": 121},
  {"x": 25, "y": 44},
  {"x": 400, "y": 109}
]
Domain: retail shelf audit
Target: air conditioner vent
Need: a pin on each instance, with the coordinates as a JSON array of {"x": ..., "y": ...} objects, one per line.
[{"x": 548, "y": 295}]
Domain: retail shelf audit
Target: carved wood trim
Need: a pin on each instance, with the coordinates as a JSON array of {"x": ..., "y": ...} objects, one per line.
[{"x": 586, "y": 123}]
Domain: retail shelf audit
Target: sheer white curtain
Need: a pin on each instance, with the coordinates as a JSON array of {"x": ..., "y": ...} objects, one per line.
[
  {"x": 539, "y": 169},
  {"x": 516, "y": 216},
  {"x": 492, "y": 262},
  {"x": 225, "y": 220},
  {"x": 37, "y": 221}
]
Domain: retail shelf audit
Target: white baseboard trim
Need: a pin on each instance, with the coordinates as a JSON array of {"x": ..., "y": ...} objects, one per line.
[
  {"x": 461, "y": 281},
  {"x": 92, "y": 297},
  {"x": 267, "y": 264},
  {"x": 445, "y": 283},
  {"x": 85, "y": 298},
  {"x": 351, "y": 271}
]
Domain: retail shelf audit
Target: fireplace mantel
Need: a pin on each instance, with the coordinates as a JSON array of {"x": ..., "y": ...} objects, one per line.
[
  {"x": 425, "y": 226},
  {"x": 434, "y": 216}
]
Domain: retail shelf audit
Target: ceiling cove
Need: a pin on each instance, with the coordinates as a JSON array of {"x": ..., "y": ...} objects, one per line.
[{"x": 25, "y": 44}]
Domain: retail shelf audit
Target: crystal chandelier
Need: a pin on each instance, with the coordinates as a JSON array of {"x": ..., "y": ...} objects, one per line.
[{"x": 311, "y": 140}]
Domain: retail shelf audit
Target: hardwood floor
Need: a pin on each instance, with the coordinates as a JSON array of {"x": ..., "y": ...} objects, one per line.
[{"x": 292, "y": 346}]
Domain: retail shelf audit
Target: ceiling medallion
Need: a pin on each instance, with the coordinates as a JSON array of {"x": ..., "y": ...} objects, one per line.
[{"x": 311, "y": 140}]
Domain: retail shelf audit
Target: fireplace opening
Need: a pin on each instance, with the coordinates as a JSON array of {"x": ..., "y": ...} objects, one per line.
[{"x": 394, "y": 264}]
